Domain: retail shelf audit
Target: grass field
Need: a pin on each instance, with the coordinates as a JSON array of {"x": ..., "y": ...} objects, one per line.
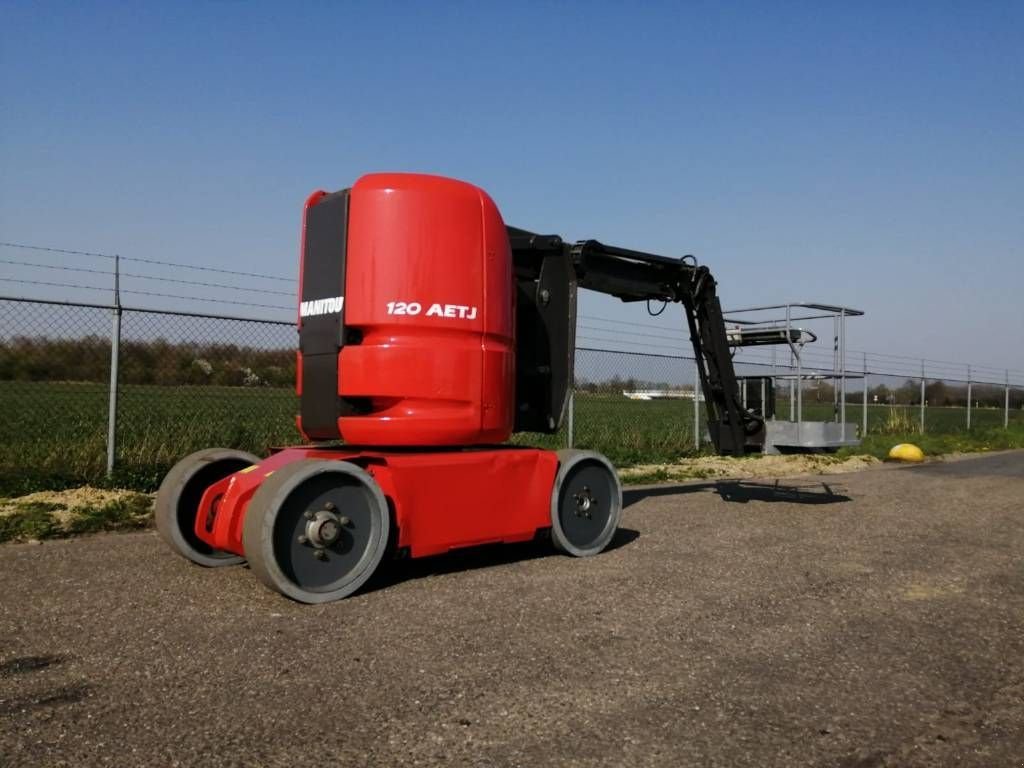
[{"x": 53, "y": 435}]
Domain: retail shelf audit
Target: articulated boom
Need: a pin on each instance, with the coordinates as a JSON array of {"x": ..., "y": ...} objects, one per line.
[{"x": 631, "y": 276}]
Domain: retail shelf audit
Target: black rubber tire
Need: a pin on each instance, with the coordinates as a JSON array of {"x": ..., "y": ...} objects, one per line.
[
  {"x": 178, "y": 500},
  {"x": 274, "y": 523},
  {"x": 585, "y": 536}
]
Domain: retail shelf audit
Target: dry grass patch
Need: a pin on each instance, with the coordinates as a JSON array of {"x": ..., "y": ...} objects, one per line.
[
  {"x": 747, "y": 467},
  {"x": 54, "y": 514}
]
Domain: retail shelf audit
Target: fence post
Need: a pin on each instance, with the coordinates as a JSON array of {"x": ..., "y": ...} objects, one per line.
[
  {"x": 696, "y": 405},
  {"x": 115, "y": 354},
  {"x": 570, "y": 425},
  {"x": 969, "y": 395},
  {"x": 792, "y": 392},
  {"x": 922, "y": 397},
  {"x": 842, "y": 367},
  {"x": 1006, "y": 402},
  {"x": 864, "y": 427}
]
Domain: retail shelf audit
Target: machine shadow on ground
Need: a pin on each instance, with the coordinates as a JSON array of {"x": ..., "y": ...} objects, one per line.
[
  {"x": 394, "y": 572},
  {"x": 744, "y": 491}
]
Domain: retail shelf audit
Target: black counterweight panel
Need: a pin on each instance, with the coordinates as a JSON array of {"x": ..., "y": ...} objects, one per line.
[
  {"x": 322, "y": 324},
  {"x": 545, "y": 343}
]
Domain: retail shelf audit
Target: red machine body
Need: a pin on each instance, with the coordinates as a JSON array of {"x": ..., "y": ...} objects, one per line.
[
  {"x": 407, "y": 353},
  {"x": 440, "y": 500},
  {"x": 406, "y": 323}
]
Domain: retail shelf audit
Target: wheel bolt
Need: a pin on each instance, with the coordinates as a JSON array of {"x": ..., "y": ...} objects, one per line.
[
  {"x": 343, "y": 521},
  {"x": 303, "y": 540},
  {"x": 329, "y": 506},
  {"x": 320, "y": 554},
  {"x": 308, "y": 514}
]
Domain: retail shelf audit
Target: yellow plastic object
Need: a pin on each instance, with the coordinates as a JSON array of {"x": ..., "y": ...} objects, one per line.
[{"x": 906, "y": 452}]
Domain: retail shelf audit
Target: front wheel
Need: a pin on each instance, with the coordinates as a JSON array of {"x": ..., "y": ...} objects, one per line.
[
  {"x": 177, "y": 502},
  {"x": 586, "y": 503},
  {"x": 315, "y": 531}
]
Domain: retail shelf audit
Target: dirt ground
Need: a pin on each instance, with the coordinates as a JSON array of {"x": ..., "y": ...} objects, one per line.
[{"x": 862, "y": 620}]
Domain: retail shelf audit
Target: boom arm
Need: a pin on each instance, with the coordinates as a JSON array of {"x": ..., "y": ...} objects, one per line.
[{"x": 548, "y": 272}]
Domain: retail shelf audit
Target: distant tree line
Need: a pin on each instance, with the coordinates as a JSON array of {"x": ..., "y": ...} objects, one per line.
[
  {"x": 941, "y": 393},
  {"x": 24, "y": 358},
  {"x": 616, "y": 385},
  {"x": 936, "y": 392}
]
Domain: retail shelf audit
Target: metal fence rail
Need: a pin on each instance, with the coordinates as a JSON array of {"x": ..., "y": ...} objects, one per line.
[{"x": 95, "y": 389}]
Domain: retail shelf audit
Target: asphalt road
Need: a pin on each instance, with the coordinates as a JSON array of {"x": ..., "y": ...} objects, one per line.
[{"x": 855, "y": 620}]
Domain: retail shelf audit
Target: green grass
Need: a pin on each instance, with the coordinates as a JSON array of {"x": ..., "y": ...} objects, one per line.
[
  {"x": 30, "y": 521},
  {"x": 626, "y": 431},
  {"x": 53, "y": 435},
  {"x": 131, "y": 512},
  {"x": 985, "y": 438}
]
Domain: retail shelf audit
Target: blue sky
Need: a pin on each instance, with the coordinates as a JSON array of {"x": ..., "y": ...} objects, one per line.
[{"x": 864, "y": 153}]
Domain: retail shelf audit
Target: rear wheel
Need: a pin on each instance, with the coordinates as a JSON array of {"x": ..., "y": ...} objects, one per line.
[
  {"x": 586, "y": 503},
  {"x": 177, "y": 502},
  {"x": 315, "y": 531}
]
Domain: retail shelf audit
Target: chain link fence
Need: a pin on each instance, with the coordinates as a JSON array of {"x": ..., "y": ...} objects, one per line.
[
  {"x": 182, "y": 382},
  {"x": 185, "y": 381},
  {"x": 54, "y": 377},
  {"x": 634, "y": 407}
]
